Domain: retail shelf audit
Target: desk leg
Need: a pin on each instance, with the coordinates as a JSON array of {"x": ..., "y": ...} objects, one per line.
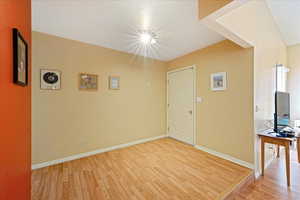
[
  {"x": 298, "y": 148},
  {"x": 262, "y": 157},
  {"x": 287, "y": 160},
  {"x": 278, "y": 151}
]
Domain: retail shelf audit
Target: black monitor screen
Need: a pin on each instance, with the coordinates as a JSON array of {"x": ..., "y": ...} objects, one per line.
[{"x": 282, "y": 108}]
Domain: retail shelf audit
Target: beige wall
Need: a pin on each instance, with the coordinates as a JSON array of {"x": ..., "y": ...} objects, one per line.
[
  {"x": 224, "y": 118},
  {"x": 260, "y": 30},
  {"x": 69, "y": 121},
  {"x": 293, "y": 79},
  {"x": 254, "y": 23}
]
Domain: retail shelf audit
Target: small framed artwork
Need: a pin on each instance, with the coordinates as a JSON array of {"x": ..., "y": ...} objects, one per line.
[
  {"x": 114, "y": 82},
  {"x": 88, "y": 82},
  {"x": 20, "y": 59},
  {"x": 219, "y": 81},
  {"x": 50, "y": 79}
]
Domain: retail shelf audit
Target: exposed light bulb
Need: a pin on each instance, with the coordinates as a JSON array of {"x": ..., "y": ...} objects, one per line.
[{"x": 146, "y": 38}]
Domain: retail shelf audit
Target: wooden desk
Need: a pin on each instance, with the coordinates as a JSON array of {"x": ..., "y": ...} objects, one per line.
[{"x": 279, "y": 141}]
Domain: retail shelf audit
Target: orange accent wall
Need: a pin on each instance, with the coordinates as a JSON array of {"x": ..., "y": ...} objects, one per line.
[{"x": 15, "y": 106}]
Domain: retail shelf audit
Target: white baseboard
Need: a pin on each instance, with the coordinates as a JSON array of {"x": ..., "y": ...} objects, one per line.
[
  {"x": 82, "y": 155},
  {"x": 267, "y": 164},
  {"x": 226, "y": 157}
]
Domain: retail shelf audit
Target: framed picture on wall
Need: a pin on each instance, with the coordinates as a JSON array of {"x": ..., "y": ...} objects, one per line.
[
  {"x": 114, "y": 82},
  {"x": 219, "y": 81},
  {"x": 50, "y": 79},
  {"x": 88, "y": 82},
  {"x": 20, "y": 59}
]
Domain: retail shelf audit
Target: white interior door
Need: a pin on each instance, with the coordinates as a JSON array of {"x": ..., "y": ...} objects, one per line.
[{"x": 181, "y": 105}]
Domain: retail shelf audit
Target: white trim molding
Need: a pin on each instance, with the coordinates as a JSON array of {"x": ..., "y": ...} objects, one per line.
[
  {"x": 91, "y": 153},
  {"x": 226, "y": 157},
  {"x": 268, "y": 163}
]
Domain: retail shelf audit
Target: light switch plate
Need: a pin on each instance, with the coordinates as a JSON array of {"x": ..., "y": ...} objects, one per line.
[{"x": 198, "y": 99}]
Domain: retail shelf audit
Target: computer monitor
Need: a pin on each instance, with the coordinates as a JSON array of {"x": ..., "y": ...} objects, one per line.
[{"x": 282, "y": 111}]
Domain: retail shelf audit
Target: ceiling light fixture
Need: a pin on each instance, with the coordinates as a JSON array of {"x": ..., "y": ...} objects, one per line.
[{"x": 148, "y": 37}]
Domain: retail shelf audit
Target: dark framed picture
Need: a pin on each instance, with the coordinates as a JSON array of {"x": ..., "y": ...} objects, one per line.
[{"x": 20, "y": 59}]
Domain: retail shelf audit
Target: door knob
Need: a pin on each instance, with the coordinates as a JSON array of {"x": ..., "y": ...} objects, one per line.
[{"x": 191, "y": 112}]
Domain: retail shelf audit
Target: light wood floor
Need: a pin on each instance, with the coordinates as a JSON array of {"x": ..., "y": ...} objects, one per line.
[
  {"x": 273, "y": 185},
  {"x": 162, "y": 169}
]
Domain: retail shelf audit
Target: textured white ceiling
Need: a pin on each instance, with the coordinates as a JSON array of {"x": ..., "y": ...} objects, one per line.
[
  {"x": 114, "y": 23},
  {"x": 287, "y": 16}
]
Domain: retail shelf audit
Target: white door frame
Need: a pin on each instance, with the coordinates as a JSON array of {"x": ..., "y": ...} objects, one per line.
[{"x": 194, "y": 68}]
